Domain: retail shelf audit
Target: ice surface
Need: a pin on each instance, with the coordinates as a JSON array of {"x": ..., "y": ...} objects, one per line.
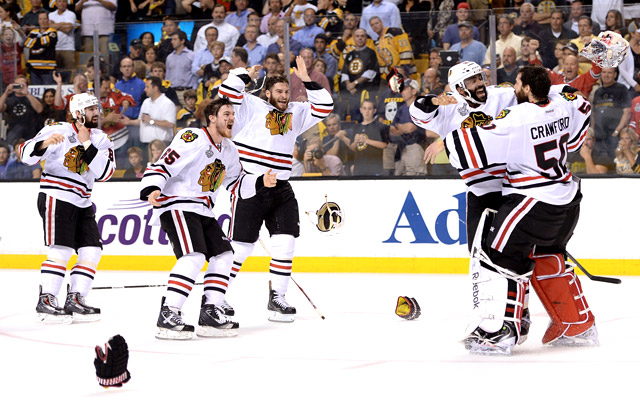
[{"x": 362, "y": 350}]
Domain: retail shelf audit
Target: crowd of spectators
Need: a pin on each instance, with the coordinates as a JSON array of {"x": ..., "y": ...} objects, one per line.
[{"x": 150, "y": 87}]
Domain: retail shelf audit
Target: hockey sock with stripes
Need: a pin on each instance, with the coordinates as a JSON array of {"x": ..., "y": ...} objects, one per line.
[
  {"x": 182, "y": 278},
  {"x": 241, "y": 250},
  {"x": 282, "y": 247},
  {"x": 84, "y": 271},
  {"x": 54, "y": 268},
  {"x": 216, "y": 279}
]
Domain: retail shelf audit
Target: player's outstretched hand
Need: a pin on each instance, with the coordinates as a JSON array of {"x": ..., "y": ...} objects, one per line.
[
  {"x": 254, "y": 71},
  {"x": 111, "y": 363},
  {"x": 56, "y": 138},
  {"x": 269, "y": 179},
  {"x": 152, "y": 199},
  {"x": 444, "y": 100},
  {"x": 301, "y": 70},
  {"x": 432, "y": 151}
]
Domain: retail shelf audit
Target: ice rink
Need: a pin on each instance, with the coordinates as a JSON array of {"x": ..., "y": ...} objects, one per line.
[{"x": 362, "y": 350}]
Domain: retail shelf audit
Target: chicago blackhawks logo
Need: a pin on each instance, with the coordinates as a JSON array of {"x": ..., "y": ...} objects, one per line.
[
  {"x": 74, "y": 160},
  {"x": 188, "y": 136},
  {"x": 503, "y": 113},
  {"x": 211, "y": 176},
  {"x": 569, "y": 96},
  {"x": 278, "y": 123},
  {"x": 476, "y": 119}
]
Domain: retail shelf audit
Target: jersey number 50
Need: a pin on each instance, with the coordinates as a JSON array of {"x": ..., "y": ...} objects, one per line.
[{"x": 557, "y": 164}]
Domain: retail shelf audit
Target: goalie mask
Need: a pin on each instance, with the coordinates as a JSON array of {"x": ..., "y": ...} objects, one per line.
[
  {"x": 607, "y": 50},
  {"x": 329, "y": 217}
]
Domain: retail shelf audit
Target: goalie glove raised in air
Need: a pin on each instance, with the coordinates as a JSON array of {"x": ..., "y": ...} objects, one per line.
[
  {"x": 111, "y": 364},
  {"x": 407, "y": 308}
]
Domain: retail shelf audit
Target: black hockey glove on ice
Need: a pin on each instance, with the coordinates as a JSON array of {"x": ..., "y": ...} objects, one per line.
[
  {"x": 407, "y": 308},
  {"x": 111, "y": 364}
]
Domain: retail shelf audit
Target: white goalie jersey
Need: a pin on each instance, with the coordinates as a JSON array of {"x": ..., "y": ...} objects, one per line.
[
  {"x": 70, "y": 170},
  {"x": 192, "y": 169},
  {"x": 533, "y": 141},
  {"x": 266, "y": 136}
]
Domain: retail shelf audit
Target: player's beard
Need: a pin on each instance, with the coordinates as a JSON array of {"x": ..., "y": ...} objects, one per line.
[
  {"x": 277, "y": 105},
  {"x": 521, "y": 96},
  {"x": 224, "y": 128},
  {"x": 91, "y": 124},
  {"x": 480, "y": 98}
]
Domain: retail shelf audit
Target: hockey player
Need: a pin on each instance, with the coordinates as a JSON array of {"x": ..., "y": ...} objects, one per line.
[
  {"x": 76, "y": 155},
  {"x": 472, "y": 103},
  {"x": 265, "y": 135},
  {"x": 182, "y": 187},
  {"x": 540, "y": 212}
]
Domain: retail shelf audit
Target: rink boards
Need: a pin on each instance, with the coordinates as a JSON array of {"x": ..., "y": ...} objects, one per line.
[{"x": 390, "y": 226}]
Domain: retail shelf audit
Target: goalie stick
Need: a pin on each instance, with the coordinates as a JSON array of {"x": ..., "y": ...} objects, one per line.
[
  {"x": 294, "y": 281},
  {"x": 593, "y": 277}
]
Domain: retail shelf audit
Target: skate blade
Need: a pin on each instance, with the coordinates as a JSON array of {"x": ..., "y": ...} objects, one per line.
[
  {"x": 168, "y": 334},
  {"x": 523, "y": 338},
  {"x": 488, "y": 349},
  {"x": 49, "y": 319},
  {"x": 589, "y": 338},
  {"x": 210, "y": 331},
  {"x": 86, "y": 317},
  {"x": 275, "y": 316}
]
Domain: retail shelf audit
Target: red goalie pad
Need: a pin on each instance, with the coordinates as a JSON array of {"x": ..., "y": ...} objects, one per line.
[{"x": 561, "y": 294}]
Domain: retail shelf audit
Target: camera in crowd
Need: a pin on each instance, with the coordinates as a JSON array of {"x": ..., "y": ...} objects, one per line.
[
  {"x": 317, "y": 154},
  {"x": 17, "y": 86}
]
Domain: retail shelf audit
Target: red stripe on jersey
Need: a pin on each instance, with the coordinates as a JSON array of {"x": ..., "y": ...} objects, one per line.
[
  {"x": 221, "y": 283},
  {"x": 165, "y": 198},
  {"x": 84, "y": 268},
  {"x": 109, "y": 176},
  {"x": 234, "y": 269},
  {"x": 184, "y": 285},
  {"x": 66, "y": 185},
  {"x": 472, "y": 173},
  {"x": 321, "y": 110},
  {"x": 182, "y": 233},
  {"x": 61, "y": 268},
  {"x": 50, "y": 221},
  {"x": 525, "y": 179},
  {"x": 272, "y": 265},
  {"x": 420, "y": 120},
  {"x": 265, "y": 157},
  {"x": 155, "y": 170},
  {"x": 228, "y": 94},
  {"x": 465, "y": 136},
  {"x": 511, "y": 221}
]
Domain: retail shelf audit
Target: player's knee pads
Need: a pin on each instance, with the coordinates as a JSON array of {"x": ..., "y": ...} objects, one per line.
[
  {"x": 496, "y": 298},
  {"x": 89, "y": 256},
  {"x": 221, "y": 262},
  {"x": 59, "y": 254},
  {"x": 561, "y": 294},
  {"x": 241, "y": 250},
  {"x": 189, "y": 265},
  {"x": 282, "y": 247}
]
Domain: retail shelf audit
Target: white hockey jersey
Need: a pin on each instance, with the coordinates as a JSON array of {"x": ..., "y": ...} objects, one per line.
[
  {"x": 192, "y": 169},
  {"x": 70, "y": 170},
  {"x": 533, "y": 141},
  {"x": 265, "y": 136},
  {"x": 454, "y": 116}
]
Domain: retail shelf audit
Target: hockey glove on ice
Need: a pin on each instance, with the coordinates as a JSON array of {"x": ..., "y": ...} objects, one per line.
[
  {"x": 111, "y": 364},
  {"x": 407, "y": 308}
]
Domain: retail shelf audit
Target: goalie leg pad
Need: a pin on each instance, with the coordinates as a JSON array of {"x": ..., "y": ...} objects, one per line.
[
  {"x": 561, "y": 294},
  {"x": 497, "y": 311}
]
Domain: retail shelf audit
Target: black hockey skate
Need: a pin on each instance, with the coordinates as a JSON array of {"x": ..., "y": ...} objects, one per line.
[
  {"x": 495, "y": 343},
  {"x": 214, "y": 323},
  {"x": 76, "y": 306},
  {"x": 279, "y": 309},
  {"x": 525, "y": 324},
  {"x": 227, "y": 309},
  {"x": 171, "y": 326},
  {"x": 49, "y": 312}
]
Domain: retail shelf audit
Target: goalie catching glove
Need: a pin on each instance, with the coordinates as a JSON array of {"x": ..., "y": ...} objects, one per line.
[
  {"x": 407, "y": 308},
  {"x": 111, "y": 364}
]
